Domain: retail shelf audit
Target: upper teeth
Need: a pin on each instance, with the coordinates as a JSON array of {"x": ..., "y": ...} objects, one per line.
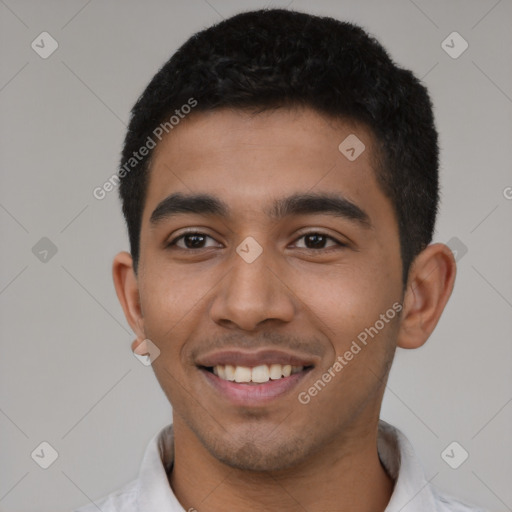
[{"x": 262, "y": 373}]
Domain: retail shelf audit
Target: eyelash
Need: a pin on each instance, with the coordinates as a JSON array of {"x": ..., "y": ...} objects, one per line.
[{"x": 172, "y": 243}]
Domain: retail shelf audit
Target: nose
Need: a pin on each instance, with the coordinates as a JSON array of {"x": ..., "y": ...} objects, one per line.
[{"x": 252, "y": 294}]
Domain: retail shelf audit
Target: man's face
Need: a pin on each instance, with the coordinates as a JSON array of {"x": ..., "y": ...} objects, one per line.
[{"x": 291, "y": 293}]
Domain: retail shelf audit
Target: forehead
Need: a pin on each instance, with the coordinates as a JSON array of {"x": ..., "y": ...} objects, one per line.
[{"x": 250, "y": 160}]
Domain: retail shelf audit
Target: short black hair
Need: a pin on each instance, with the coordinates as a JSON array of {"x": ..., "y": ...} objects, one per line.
[{"x": 272, "y": 58}]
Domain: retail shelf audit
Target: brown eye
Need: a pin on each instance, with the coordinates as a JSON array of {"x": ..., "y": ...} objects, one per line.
[
  {"x": 317, "y": 241},
  {"x": 191, "y": 240}
]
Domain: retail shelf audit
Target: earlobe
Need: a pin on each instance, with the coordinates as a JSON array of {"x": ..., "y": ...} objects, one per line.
[
  {"x": 140, "y": 347},
  {"x": 127, "y": 289},
  {"x": 429, "y": 287}
]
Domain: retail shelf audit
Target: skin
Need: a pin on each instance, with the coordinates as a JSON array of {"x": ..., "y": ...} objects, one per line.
[{"x": 285, "y": 455}]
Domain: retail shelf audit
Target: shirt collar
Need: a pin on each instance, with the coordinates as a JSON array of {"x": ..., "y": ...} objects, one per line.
[
  {"x": 154, "y": 492},
  {"x": 412, "y": 491}
]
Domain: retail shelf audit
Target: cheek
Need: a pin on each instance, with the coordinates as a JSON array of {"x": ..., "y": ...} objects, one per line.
[
  {"x": 354, "y": 309},
  {"x": 171, "y": 300},
  {"x": 345, "y": 299},
  {"x": 358, "y": 317}
]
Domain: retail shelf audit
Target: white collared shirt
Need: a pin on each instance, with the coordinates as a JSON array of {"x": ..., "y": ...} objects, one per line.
[{"x": 151, "y": 491}]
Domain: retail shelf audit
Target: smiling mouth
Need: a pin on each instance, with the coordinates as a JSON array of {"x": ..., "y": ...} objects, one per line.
[{"x": 255, "y": 374}]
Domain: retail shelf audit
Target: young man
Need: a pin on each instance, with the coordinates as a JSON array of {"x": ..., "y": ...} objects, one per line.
[{"x": 279, "y": 180}]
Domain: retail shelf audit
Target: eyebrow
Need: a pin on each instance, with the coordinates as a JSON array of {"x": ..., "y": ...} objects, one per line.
[{"x": 296, "y": 204}]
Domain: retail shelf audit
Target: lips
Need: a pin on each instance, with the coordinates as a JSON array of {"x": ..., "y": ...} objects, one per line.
[
  {"x": 246, "y": 383},
  {"x": 236, "y": 357}
]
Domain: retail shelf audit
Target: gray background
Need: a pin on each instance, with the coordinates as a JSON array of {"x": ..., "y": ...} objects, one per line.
[{"x": 67, "y": 374}]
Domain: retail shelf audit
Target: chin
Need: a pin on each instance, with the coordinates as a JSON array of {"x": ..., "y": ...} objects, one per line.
[{"x": 261, "y": 456}]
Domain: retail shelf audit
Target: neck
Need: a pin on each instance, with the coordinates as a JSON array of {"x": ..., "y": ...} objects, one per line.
[{"x": 345, "y": 475}]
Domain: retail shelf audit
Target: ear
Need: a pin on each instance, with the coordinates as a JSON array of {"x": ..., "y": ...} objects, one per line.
[
  {"x": 429, "y": 286},
  {"x": 127, "y": 289}
]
